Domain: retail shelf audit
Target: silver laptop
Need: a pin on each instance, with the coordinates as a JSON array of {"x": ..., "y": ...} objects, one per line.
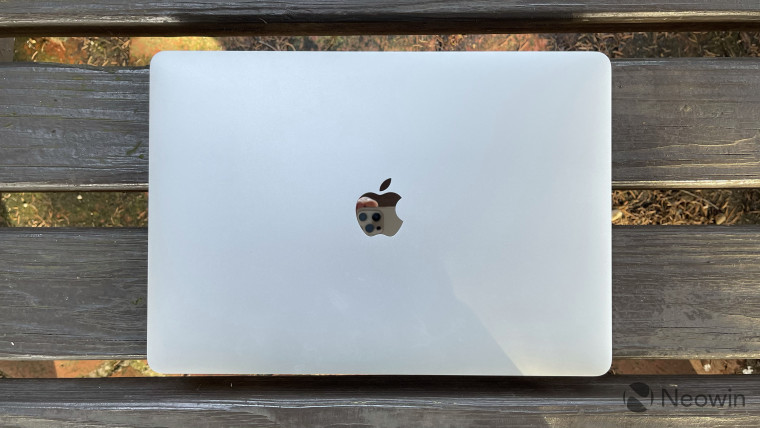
[{"x": 380, "y": 213}]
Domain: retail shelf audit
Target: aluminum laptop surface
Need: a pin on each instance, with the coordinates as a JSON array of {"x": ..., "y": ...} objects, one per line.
[{"x": 260, "y": 258}]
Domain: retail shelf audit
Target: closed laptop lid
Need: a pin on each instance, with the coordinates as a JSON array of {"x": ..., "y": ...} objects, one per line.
[{"x": 273, "y": 248}]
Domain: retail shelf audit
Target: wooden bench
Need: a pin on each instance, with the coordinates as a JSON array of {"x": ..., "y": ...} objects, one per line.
[{"x": 678, "y": 292}]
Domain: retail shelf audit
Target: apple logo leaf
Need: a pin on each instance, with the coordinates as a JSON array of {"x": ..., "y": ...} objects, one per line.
[{"x": 385, "y": 184}]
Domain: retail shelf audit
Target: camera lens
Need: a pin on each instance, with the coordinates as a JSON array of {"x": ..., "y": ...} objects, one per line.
[
  {"x": 369, "y": 228},
  {"x": 376, "y": 217},
  {"x": 362, "y": 216}
]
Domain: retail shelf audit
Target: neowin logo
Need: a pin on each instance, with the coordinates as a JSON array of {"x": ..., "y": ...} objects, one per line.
[
  {"x": 639, "y": 397},
  {"x": 633, "y": 396}
]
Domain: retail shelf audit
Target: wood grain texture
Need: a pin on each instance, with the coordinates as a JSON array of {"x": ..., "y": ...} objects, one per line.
[
  {"x": 686, "y": 123},
  {"x": 72, "y": 293},
  {"x": 677, "y": 123},
  {"x": 686, "y": 291},
  {"x": 73, "y": 128},
  {"x": 678, "y": 292},
  {"x": 55, "y": 17},
  {"x": 355, "y": 401}
]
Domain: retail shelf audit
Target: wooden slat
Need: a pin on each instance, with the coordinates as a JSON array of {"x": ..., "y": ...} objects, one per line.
[
  {"x": 678, "y": 292},
  {"x": 354, "y": 401},
  {"x": 686, "y": 291},
  {"x": 51, "y": 17},
  {"x": 686, "y": 123},
  {"x": 72, "y": 293},
  {"x": 677, "y": 123},
  {"x": 73, "y": 128}
]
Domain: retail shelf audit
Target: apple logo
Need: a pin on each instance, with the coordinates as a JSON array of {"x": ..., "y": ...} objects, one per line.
[{"x": 376, "y": 214}]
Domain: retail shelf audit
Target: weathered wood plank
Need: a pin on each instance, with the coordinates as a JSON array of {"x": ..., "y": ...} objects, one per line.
[
  {"x": 69, "y": 128},
  {"x": 51, "y": 17},
  {"x": 686, "y": 123},
  {"x": 683, "y": 123},
  {"x": 72, "y": 293},
  {"x": 678, "y": 292},
  {"x": 686, "y": 291},
  {"x": 369, "y": 401}
]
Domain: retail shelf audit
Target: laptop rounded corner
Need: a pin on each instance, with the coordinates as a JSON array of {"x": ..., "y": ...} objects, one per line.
[
  {"x": 603, "y": 59},
  {"x": 157, "y": 365},
  {"x": 602, "y": 367},
  {"x": 158, "y": 59}
]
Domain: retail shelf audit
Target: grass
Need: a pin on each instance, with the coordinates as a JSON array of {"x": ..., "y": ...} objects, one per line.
[
  {"x": 739, "y": 206},
  {"x": 91, "y": 209},
  {"x": 98, "y": 51}
]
